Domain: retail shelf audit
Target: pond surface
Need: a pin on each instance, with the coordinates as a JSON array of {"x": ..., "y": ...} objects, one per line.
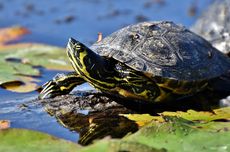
[{"x": 53, "y": 22}]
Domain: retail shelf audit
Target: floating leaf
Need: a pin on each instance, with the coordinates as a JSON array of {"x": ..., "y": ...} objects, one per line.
[
  {"x": 217, "y": 114},
  {"x": 4, "y": 124},
  {"x": 108, "y": 145},
  {"x": 142, "y": 119},
  {"x": 174, "y": 134},
  {"x": 178, "y": 134},
  {"x": 17, "y": 63},
  {"x": 27, "y": 141},
  {"x": 28, "y": 84},
  {"x": 12, "y": 33},
  {"x": 47, "y": 56}
]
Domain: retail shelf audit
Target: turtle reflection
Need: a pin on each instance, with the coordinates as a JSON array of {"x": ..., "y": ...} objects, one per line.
[
  {"x": 97, "y": 125},
  {"x": 91, "y": 115}
]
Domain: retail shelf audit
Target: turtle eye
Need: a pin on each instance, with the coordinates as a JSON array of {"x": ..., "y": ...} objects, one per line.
[{"x": 77, "y": 46}]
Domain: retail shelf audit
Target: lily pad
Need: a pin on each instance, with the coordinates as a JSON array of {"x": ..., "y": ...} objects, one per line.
[
  {"x": 112, "y": 145},
  {"x": 12, "y": 33},
  {"x": 18, "y": 62},
  {"x": 27, "y": 141},
  {"x": 4, "y": 124},
  {"x": 143, "y": 119},
  {"x": 174, "y": 134},
  {"x": 177, "y": 134},
  {"x": 26, "y": 85},
  {"x": 192, "y": 115},
  {"x": 216, "y": 114}
]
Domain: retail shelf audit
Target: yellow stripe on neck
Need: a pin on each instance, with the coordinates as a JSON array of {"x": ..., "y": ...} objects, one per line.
[{"x": 86, "y": 76}]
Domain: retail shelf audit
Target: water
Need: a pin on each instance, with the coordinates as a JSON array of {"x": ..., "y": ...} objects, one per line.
[{"x": 54, "y": 21}]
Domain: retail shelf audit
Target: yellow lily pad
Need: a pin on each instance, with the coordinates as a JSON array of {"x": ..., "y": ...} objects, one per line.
[
  {"x": 192, "y": 115},
  {"x": 142, "y": 119},
  {"x": 27, "y": 84},
  {"x": 216, "y": 114}
]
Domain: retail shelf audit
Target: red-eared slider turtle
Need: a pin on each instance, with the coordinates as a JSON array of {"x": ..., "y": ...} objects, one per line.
[
  {"x": 214, "y": 25},
  {"x": 149, "y": 61}
]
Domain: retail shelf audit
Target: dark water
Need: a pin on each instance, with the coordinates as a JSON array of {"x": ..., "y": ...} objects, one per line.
[{"x": 54, "y": 21}]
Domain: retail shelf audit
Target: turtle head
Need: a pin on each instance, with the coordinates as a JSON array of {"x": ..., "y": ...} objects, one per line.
[
  {"x": 91, "y": 66},
  {"x": 79, "y": 55}
]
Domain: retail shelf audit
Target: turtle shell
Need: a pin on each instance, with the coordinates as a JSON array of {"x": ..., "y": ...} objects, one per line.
[{"x": 164, "y": 49}]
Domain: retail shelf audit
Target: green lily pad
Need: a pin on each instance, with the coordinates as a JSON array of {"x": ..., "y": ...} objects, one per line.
[
  {"x": 27, "y": 141},
  {"x": 178, "y": 134},
  {"x": 174, "y": 134},
  {"x": 17, "y": 62},
  {"x": 113, "y": 145}
]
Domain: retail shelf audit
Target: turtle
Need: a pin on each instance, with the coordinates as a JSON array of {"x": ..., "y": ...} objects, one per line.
[
  {"x": 148, "y": 62},
  {"x": 214, "y": 25}
]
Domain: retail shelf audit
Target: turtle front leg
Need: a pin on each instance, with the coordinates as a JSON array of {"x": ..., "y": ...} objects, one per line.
[{"x": 60, "y": 85}]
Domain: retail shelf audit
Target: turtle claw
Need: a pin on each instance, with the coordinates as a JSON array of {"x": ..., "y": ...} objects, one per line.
[
  {"x": 50, "y": 89},
  {"x": 46, "y": 86},
  {"x": 61, "y": 84}
]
